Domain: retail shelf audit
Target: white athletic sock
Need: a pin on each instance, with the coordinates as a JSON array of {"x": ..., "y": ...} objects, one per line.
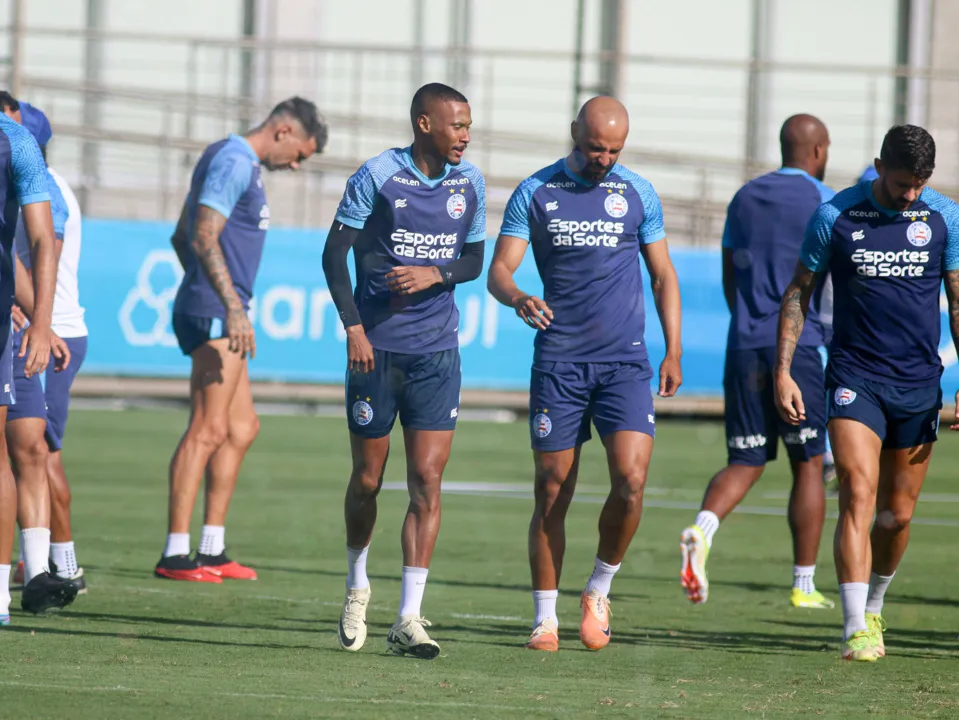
[
  {"x": 212, "y": 541},
  {"x": 36, "y": 552},
  {"x": 853, "y": 598},
  {"x": 5, "y": 589},
  {"x": 356, "y": 568},
  {"x": 413, "y": 587},
  {"x": 803, "y": 578},
  {"x": 708, "y": 522},
  {"x": 177, "y": 544},
  {"x": 544, "y": 602},
  {"x": 65, "y": 558},
  {"x": 877, "y": 591},
  {"x": 602, "y": 577}
]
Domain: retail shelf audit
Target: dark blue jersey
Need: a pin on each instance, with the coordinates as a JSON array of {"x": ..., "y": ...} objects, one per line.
[
  {"x": 586, "y": 239},
  {"x": 23, "y": 181},
  {"x": 406, "y": 218},
  {"x": 887, "y": 267},
  {"x": 765, "y": 226},
  {"x": 226, "y": 179}
]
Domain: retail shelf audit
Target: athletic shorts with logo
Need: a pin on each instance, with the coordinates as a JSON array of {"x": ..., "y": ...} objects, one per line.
[
  {"x": 422, "y": 389},
  {"x": 753, "y": 425},
  {"x": 192, "y": 331},
  {"x": 28, "y": 391},
  {"x": 902, "y": 417},
  {"x": 565, "y": 398}
]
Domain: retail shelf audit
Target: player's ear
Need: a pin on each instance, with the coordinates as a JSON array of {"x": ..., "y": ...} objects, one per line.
[
  {"x": 877, "y": 164},
  {"x": 423, "y": 123},
  {"x": 572, "y": 131}
]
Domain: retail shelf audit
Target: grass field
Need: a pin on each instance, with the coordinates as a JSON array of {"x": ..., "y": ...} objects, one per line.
[{"x": 138, "y": 647}]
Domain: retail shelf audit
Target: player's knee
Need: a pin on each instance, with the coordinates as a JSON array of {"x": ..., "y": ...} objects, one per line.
[
  {"x": 425, "y": 494},
  {"x": 366, "y": 481},
  {"x": 211, "y": 433},
  {"x": 30, "y": 452},
  {"x": 894, "y": 520},
  {"x": 243, "y": 431},
  {"x": 860, "y": 497},
  {"x": 631, "y": 484}
]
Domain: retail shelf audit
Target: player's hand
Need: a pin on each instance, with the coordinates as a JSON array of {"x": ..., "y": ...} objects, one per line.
[
  {"x": 789, "y": 399},
  {"x": 36, "y": 346},
  {"x": 239, "y": 329},
  {"x": 19, "y": 319},
  {"x": 410, "y": 279},
  {"x": 61, "y": 353},
  {"x": 670, "y": 376},
  {"x": 955, "y": 425},
  {"x": 533, "y": 311},
  {"x": 359, "y": 352}
]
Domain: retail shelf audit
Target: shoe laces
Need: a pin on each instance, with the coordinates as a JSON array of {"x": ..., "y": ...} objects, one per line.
[
  {"x": 601, "y": 606},
  {"x": 543, "y": 629}
]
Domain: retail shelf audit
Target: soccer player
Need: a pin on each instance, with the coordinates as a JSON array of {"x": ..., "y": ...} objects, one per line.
[
  {"x": 588, "y": 220},
  {"x": 52, "y": 401},
  {"x": 765, "y": 225},
  {"x": 889, "y": 244},
  {"x": 26, "y": 418},
  {"x": 219, "y": 240},
  {"x": 23, "y": 183},
  {"x": 416, "y": 220}
]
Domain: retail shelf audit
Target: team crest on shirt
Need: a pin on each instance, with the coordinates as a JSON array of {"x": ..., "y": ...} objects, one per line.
[
  {"x": 616, "y": 205},
  {"x": 362, "y": 412},
  {"x": 919, "y": 234},
  {"x": 456, "y": 206},
  {"x": 844, "y": 396},
  {"x": 542, "y": 425}
]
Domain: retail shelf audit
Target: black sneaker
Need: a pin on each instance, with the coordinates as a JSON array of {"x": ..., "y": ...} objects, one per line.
[
  {"x": 183, "y": 567},
  {"x": 47, "y": 592}
]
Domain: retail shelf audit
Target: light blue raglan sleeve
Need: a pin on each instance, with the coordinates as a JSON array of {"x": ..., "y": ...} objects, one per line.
[
  {"x": 478, "y": 228},
  {"x": 29, "y": 169},
  {"x": 817, "y": 244},
  {"x": 950, "y": 214},
  {"x": 652, "y": 230},
  {"x": 516, "y": 217},
  {"x": 826, "y": 193},
  {"x": 58, "y": 207},
  {"x": 358, "y": 198},
  {"x": 227, "y": 178}
]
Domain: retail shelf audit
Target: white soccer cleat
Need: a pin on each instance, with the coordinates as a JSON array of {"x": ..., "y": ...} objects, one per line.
[
  {"x": 693, "y": 572},
  {"x": 408, "y": 637},
  {"x": 351, "y": 632}
]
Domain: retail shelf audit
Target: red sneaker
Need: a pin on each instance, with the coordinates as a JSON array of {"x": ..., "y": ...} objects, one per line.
[
  {"x": 182, "y": 567},
  {"x": 220, "y": 566}
]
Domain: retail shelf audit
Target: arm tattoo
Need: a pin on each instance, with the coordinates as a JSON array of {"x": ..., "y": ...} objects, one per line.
[
  {"x": 209, "y": 254},
  {"x": 951, "y": 279},
  {"x": 792, "y": 315}
]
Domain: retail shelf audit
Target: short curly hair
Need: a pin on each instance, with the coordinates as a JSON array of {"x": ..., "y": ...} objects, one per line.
[{"x": 909, "y": 147}]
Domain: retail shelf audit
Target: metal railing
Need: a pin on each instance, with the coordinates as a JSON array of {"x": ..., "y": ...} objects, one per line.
[{"x": 164, "y": 97}]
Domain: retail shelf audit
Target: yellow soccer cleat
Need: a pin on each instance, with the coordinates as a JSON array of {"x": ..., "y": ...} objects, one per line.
[
  {"x": 860, "y": 646},
  {"x": 815, "y": 600},
  {"x": 877, "y": 626}
]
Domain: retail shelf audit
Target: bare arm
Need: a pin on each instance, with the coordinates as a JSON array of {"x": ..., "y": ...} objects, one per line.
[
  {"x": 507, "y": 257},
  {"x": 665, "y": 287},
  {"x": 24, "y": 288},
  {"x": 729, "y": 278},
  {"x": 38, "y": 338},
  {"x": 951, "y": 280},
  {"x": 792, "y": 316},
  {"x": 181, "y": 237}
]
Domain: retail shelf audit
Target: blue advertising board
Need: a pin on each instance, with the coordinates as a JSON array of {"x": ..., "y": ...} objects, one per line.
[{"x": 129, "y": 275}]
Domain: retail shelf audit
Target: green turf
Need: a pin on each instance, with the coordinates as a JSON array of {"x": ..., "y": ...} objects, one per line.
[{"x": 137, "y": 647}]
